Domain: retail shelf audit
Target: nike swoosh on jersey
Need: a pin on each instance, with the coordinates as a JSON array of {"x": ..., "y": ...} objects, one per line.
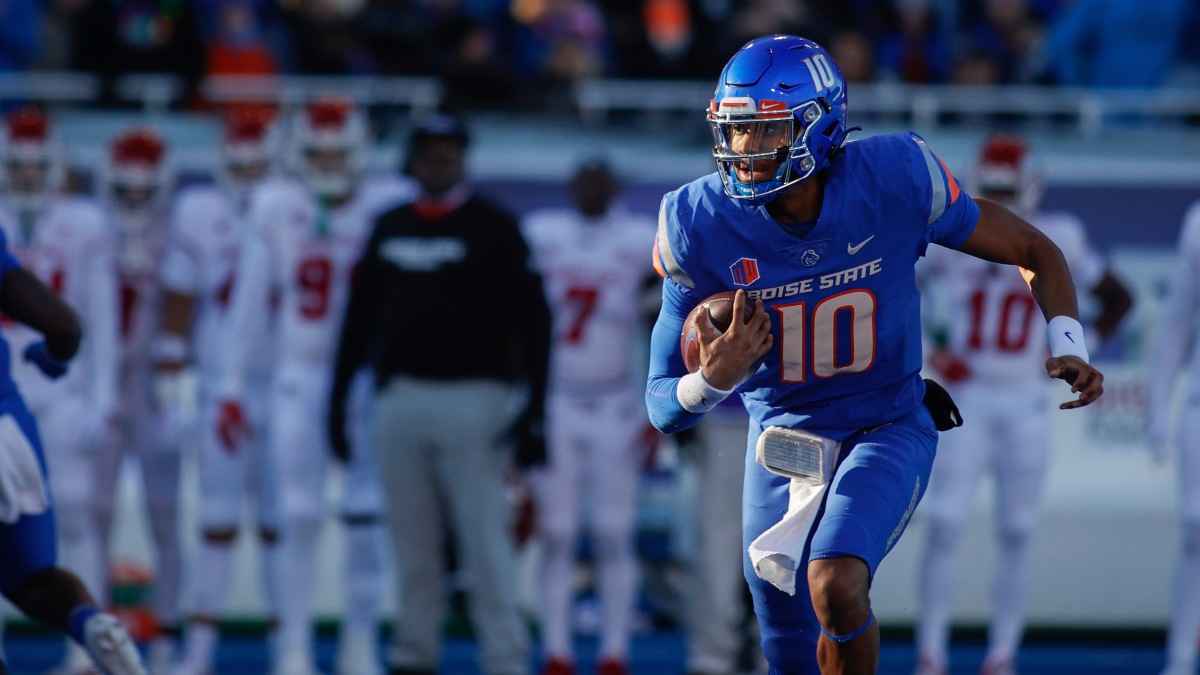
[{"x": 852, "y": 249}]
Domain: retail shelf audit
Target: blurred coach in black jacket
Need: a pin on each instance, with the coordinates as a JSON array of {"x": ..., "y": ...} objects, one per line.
[{"x": 448, "y": 311}]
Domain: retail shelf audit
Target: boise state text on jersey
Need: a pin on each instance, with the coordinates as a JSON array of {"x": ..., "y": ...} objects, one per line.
[{"x": 843, "y": 300}]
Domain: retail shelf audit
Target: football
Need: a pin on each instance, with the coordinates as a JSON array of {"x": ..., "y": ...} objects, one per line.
[{"x": 719, "y": 309}]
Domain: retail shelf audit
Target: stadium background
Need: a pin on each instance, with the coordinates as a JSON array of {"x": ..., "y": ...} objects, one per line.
[{"x": 1126, "y": 161}]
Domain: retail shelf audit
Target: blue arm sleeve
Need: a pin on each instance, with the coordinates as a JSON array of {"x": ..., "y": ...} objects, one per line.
[{"x": 666, "y": 361}]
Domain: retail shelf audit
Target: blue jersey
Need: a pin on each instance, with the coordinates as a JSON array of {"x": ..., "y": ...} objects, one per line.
[{"x": 843, "y": 302}]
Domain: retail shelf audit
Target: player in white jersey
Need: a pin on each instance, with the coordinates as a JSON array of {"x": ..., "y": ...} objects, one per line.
[
  {"x": 66, "y": 242},
  {"x": 989, "y": 350},
  {"x": 135, "y": 185},
  {"x": 592, "y": 261},
  {"x": 198, "y": 272},
  {"x": 1175, "y": 329},
  {"x": 307, "y": 234}
]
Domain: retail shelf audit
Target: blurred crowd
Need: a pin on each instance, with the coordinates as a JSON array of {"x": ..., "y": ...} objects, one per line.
[{"x": 514, "y": 54}]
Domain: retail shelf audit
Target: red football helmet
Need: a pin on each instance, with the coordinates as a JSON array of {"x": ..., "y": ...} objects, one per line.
[
  {"x": 1005, "y": 173},
  {"x": 329, "y": 140},
  {"x": 32, "y": 170},
  {"x": 247, "y": 149},
  {"x": 135, "y": 180}
]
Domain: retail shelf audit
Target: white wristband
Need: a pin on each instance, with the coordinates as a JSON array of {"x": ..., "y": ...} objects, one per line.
[
  {"x": 696, "y": 395},
  {"x": 1065, "y": 337}
]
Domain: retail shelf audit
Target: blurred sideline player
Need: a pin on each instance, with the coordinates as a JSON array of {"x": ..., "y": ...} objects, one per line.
[
  {"x": 990, "y": 344},
  {"x": 592, "y": 261},
  {"x": 28, "y": 575},
  {"x": 65, "y": 241},
  {"x": 1175, "y": 330},
  {"x": 714, "y": 605},
  {"x": 135, "y": 185},
  {"x": 307, "y": 234},
  {"x": 198, "y": 273}
]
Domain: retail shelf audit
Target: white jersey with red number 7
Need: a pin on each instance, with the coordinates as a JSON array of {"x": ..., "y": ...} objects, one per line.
[{"x": 593, "y": 273}]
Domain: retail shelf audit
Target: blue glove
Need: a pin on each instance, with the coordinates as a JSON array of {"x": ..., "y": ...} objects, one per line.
[{"x": 40, "y": 356}]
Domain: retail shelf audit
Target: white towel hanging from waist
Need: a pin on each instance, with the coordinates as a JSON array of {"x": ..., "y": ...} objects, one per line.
[{"x": 808, "y": 460}]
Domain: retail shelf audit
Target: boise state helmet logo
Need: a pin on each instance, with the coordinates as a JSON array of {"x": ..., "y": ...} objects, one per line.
[
  {"x": 809, "y": 258},
  {"x": 745, "y": 272}
]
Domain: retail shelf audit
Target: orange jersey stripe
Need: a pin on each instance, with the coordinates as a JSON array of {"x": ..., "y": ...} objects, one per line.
[
  {"x": 954, "y": 191},
  {"x": 657, "y": 260}
]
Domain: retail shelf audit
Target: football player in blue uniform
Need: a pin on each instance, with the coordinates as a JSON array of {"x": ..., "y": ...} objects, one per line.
[
  {"x": 29, "y": 576},
  {"x": 821, "y": 236}
]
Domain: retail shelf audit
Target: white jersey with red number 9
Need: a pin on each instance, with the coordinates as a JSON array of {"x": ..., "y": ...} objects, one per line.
[
  {"x": 593, "y": 274},
  {"x": 312, "y": 250},
  {"x": 995, "y": 326}
]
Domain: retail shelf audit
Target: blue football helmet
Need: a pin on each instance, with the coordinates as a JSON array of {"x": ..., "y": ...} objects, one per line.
[{"x": 781, "y": 105}]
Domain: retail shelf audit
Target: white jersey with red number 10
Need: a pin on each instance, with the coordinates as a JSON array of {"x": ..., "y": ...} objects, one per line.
[
  {"x": 996, "y": 326},
  {"x": 593, "y": 274},
  {"x": 311, "y": 252}
]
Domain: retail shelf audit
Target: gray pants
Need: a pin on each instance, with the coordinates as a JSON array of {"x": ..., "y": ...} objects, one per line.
[{"x": 442, "y": 466}]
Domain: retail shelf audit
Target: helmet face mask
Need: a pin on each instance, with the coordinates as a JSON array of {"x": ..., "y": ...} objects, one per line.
[
  {"x": 247, "y": 151},
  {"x": 31, "y": 170},
  {"x": 28, "y": 180},
  {"x": 1004, "y": 174},
  {"x": 135, "y": 184},
  {"x": 777, "y": 117},
  {"x": 328, "y": 148}
]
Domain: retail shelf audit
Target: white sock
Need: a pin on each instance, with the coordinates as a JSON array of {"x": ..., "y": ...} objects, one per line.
[
  {"x": 616, "y": 588},
  {"x": 1009, "y": 594},
  {"x": 938, "y": 573},
  {"x": 82, "y": 552},
  {"x": 201, "y": 648},
  {"x": 1185, "y": 603},
  {"x": 210, "y": 578},
  {"x": 210, "y": 582},
  {"x": 364, "y": 576},
  {"x": 297, "y": 547},
  {"x": 558, "y": 592},
  {"x": 272, "y": 568},
  {"x": 164, "y": 521}
]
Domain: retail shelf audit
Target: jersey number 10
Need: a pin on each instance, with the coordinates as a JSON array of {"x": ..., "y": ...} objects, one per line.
[{"x": 818, "y": 334}]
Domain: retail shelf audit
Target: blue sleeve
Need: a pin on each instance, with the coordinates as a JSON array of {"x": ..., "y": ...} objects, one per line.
[
  {"x": 952, "y": 214},
  {"x": 956, "y": 224},
  {"x": 666, "y": 361}
]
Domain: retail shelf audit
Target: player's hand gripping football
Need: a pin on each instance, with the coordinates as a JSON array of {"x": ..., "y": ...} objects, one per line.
[
  {"x": 725, "y": 358},
  {"x": 1084, "y": 379}
]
